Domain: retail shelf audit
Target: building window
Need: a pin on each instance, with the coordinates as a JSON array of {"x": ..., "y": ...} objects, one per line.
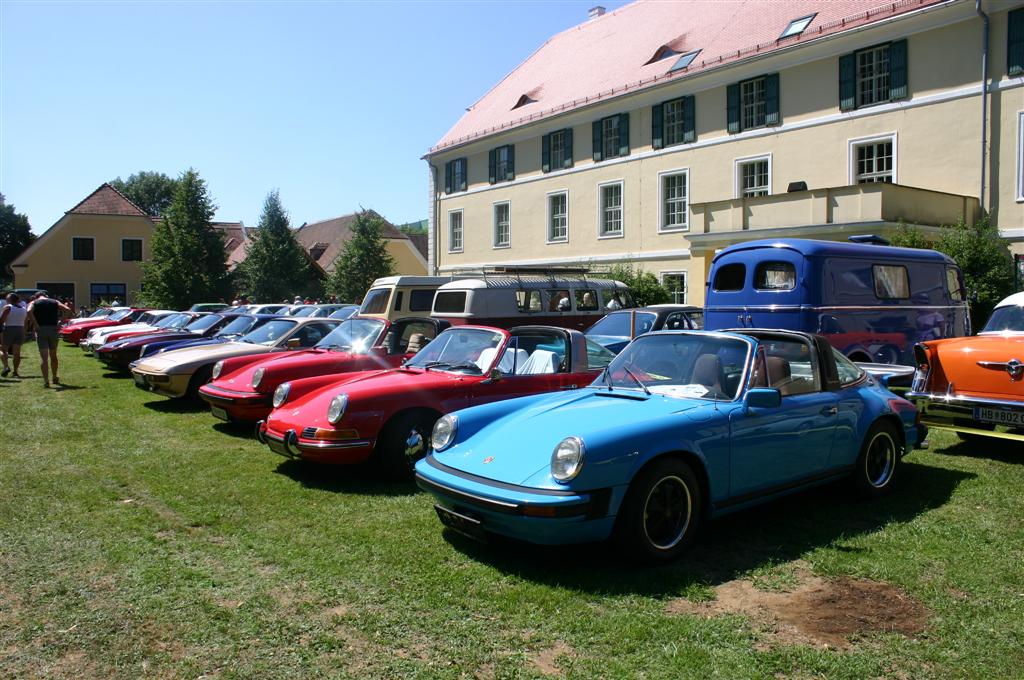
[
  {"x": 455, "y": 231},
  {"x": 797, "y": 26},
  {"x": 752, "y": 103},
  {"x": 131, "y": 249},
  {"x": 674, "y": 192},
  {"x": 676, "y": 284},
  {"x": 105, "y": 293},
  {"x": 611, "y": 137},
  {"x": 1020, "y": 152},
  {"x": 502, "y": 162},
  {"x": 556, "y": 150},
  {"x": 673, "y": 122},
  {"x": 873, "y": 76},
  {"x": 610, "y": 210},
  {"x": 754, "y": 177},
  {"x": 455, "y": 175},
  {"x": 83, "y": 248},
  {"x": 874, "y": 161},
  {"x": 558, "y": 217},
  {"x": 1015, "y": 42},
  {"x": 502, "y": 229}
]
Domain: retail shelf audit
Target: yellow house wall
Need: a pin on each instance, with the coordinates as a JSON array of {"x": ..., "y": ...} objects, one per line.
[
  {"x": 51, "y": 261},
  {"x": 937, "y": 139},
  {"x": 407, "y": 261}
]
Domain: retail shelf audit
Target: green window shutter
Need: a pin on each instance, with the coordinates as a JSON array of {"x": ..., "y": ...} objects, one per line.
[
  {"x": 492, "y": 163},
  {"x": 1015, "y": 43},
  {"x": 689, "y": 119},
  {"x": 596, "y": 129},
  {"x": 567, "y": 148},
  {"x": 657, "y": 126},
  {"x": 847, "y": 83},
  {"x": 511, "y": 173},
  {"x": 448, "y": 177},
  {"x": 623, "y": 134},
  {"x": 898, "y": 70},
  {"x": 771, "y": 99},
  {"x": 732, "y": 107},
  {"x": 545, "y": 153},
  {"x": 464, "y": 166}
]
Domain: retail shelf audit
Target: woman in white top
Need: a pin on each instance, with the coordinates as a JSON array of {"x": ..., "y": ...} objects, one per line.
[{"x": 12, "y": 320}]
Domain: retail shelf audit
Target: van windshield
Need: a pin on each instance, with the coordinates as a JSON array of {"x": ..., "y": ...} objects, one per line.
[{"x": 376, "y": 301}]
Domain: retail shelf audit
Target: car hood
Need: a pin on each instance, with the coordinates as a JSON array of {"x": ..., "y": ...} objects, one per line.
[
  {"x": 958, "y": 363},
  {"x": 177, "y": 360},
  {"x": 290, "y": 366},
  {"x": 518, "y": 446},
  {"x": 139, "y": 340},
  {"x": 124, "y": 328}
]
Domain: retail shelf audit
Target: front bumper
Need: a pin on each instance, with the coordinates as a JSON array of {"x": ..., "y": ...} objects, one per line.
[
  {"x": 293, "y": 446},
  {"x": 246, "y": 406},
  {"x": 161, "y": 383},
  {"x": 544, "y": 516},
  {"x": 958, "y": 413}
]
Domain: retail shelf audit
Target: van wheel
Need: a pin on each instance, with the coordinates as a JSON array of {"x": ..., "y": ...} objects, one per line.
[
  {"x": 404, "y": 440},
  {"x": 661, "y": 513},
  {"x": 877, "y": 465}
]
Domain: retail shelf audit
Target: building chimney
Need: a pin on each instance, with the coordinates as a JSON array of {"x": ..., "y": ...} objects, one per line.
[{"x": 595, "y": 12}]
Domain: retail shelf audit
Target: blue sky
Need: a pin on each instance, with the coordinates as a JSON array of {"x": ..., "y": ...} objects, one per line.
[{"x": 333, "y": 103}]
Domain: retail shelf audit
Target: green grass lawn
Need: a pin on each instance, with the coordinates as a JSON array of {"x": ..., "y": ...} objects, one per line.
[{"x": 138, "y": 538}]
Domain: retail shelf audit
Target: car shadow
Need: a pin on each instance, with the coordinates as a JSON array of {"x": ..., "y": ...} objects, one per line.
[
  {"x": 358, "y": 479},
  {"x": 116, "y": 374},
  {"x": 989, "y": 448},
  {"x": 183, "y": 405},
  {"x": 780, "y": 531},
  {"x": 238, "y": 430}
]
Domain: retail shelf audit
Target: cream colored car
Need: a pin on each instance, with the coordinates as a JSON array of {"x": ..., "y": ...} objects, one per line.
[{"x": 182, "y": 372}]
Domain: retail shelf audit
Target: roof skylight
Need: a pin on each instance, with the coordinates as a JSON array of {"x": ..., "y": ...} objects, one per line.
[
  {"x": 797, "y": 26},
  {"x": 684, "y": 61},
  {"x": 663, "y": 52}
]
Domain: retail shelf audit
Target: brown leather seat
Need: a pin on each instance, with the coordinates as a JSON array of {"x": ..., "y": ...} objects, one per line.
[
  {"x": 779, "y": 374},
  {"x": 707, "y": 371},
  {"x": 416, "y": 343}
]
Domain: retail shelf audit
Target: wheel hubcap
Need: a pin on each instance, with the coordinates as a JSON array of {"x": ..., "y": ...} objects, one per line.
[
  {"x": 415, "y": 445},
  {"x": 667, "y": 512},
  {"x": 880, "y": 460}
]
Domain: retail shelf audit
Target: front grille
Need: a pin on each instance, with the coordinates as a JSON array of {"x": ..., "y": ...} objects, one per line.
[{"x": 309, "y": 433}]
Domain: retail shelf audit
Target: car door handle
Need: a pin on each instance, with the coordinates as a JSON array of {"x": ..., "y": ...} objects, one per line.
[
  {"x": 567, "y": 387},
  {"x": 829, "y": 411}
]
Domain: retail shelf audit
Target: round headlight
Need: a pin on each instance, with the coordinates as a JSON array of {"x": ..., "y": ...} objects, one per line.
[
  {"x": 257, "y": 377},
  {"x": 444, "y": 432},
  {"x": 281, "y": 394},
  {"x": 217, "y": 368},
  {"x": 567, "y": 459},
  {"x": 337, "y": 408}
]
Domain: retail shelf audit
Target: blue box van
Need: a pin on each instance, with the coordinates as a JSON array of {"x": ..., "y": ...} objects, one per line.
[{"x": 873, "y": 302}]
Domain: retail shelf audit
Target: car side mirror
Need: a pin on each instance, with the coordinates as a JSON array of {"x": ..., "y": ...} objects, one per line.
[
  {"x": 293, "y": 343},
  {"x": 493, "y": 377},
  {"x": 763, "y": 397}
]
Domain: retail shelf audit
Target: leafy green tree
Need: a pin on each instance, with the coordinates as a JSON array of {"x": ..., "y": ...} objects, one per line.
[
  {"x": 646, "y": 288},
  {"x": 188, "y": 263},
  {"x": 276, "y": 266},
  {"x": 15, "y": 236},
  {"x": 909, "y": 236},
  {"x": 151, "y": 191},
  {"x": 363, "y": 258}
]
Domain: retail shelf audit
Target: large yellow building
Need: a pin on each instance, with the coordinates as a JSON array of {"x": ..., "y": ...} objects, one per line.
[{"x": 662, "y": 132}]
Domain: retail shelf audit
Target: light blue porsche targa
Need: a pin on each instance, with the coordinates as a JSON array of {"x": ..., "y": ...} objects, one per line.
[{"x": 682, "y": 426}]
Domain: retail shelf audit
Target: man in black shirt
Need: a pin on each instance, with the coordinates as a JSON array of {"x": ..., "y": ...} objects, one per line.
[{"x": 45, "y": 314}]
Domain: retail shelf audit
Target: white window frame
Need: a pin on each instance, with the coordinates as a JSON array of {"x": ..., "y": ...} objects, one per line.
[
  {"x": 606, "y": 130},
  {"x": 72, "y": 244},
  {"x": 875, "y": 77},
  {"x": 462, "y": 228},
  {"x": 756, "y": 105},
  {"x": 680, "y": 123},
  {"x": 1020, "y": 156},
  {"x": 851, "y": 154},
  {"x": 686, "y": 284},
  {"x": 494, "y": 225},
  {"x": 556, "y": 140},
  {"x": 662, "y": 228},
  {"x": 622, "y": 209},
  {"x": 737, "y": 173},
  {"x": 133, "y": 238},
  {"x": 550, "y": 195}
]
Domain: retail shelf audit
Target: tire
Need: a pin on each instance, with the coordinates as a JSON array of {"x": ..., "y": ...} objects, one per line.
[
  {"x": 199, "y": 378},
  {"x": 404, "y": 440},
  {"x": 661, "y": 513},
  {"x": 878, "y": 464}
]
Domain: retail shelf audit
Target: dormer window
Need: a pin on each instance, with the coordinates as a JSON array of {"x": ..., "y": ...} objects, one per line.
[
  {"x": 523, "y": 101},
  {"x": 684, "y": 61},
  {"x": 663, "y": 52},
  {"x": 797, "y": 26},
  {"x": 317, "y": 250}
]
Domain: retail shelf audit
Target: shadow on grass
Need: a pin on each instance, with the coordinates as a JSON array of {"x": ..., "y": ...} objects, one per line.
[
  {"x": 64, "y": 387},
  {"x": 361, "y": 479},
  {"x": 111, "y": 373},
  {"x": 182, "y": 405},
  {"x": 236, "y": 429},
  {"x": 988, "y": 448},
  {"x": 780, "y": 531}
]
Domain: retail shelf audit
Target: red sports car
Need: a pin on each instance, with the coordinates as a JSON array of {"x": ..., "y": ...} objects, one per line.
[
  {"x": 73, "y": 333},
  {"x": 388, "y": 415},
  {"x": 243, "y": 387}
]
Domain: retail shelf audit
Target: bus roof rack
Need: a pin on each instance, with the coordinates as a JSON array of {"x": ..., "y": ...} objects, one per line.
[
  {"x": 539, "y": 270},
  {"x": 873, "y": 239}
]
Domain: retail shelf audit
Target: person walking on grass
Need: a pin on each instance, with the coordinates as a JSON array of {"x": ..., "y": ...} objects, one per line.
[
  {"x": 12, "y": 320},
  {"x": 45, "y": 313}
]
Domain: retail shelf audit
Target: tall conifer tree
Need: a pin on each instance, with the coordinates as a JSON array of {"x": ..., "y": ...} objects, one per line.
[
  {"x": 276, "y": 266},
  {"x": 363, "y": 258}
]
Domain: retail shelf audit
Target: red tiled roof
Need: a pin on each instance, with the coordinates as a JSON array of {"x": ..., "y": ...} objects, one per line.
[
  {"x": 234, "y": 235},
  {"x": 107, "y": 200},
  {"x": 611, "y": 54},
  {"x": 333, "y": 233}
]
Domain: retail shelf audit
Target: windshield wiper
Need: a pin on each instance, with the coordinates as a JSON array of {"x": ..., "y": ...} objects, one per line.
[
  {"x": 638, "y": 381},
  {"x": 467, "y": 364},
  {"x": 608, "y": 379},
  {"x": 433, "y": 364}
]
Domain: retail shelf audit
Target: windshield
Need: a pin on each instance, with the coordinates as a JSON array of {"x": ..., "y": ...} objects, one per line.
[
  {"x": 617, "y": 324},
  {"x": 598, "y": 356},
  {"x": 102, "y": 311},
  {"x": 239, "y": 326},
  {"x": 1009, "y": 318},
  {"x": 344, "y": 313},
  {"x": 269, "y": 333},
  {"x": 461, "y": 350},
  {"x": 117, "y": 316},
  {"x": 303, "y": 311},
  {"x": 681, "y": 365},
  {"x": 148, "y": 318},
  {"x": 357, "y": 335},
  {"x": 173, "y": 321},
  {"x": 204, "y": 322}
]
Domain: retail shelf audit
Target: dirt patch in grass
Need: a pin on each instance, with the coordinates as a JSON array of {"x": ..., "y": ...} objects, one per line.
[
  {"x": 819, "y": 612},
  {"x": 546, "y": 660}
]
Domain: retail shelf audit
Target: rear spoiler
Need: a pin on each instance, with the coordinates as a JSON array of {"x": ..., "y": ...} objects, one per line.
[{"x": 895, "y": 374}]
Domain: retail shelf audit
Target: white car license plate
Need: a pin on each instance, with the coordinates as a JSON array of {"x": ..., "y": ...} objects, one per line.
[
  {"x": 998, "y": 416},
  {"x": 219, "y": 413}
]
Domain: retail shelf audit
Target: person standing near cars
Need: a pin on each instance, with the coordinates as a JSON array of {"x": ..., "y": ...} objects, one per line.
[
  {"x": 45, "y": 314},
  {"x": 12, "y": 320}
]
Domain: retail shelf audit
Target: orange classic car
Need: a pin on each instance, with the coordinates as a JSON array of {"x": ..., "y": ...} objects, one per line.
[{"x": 975, "y": 385}]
